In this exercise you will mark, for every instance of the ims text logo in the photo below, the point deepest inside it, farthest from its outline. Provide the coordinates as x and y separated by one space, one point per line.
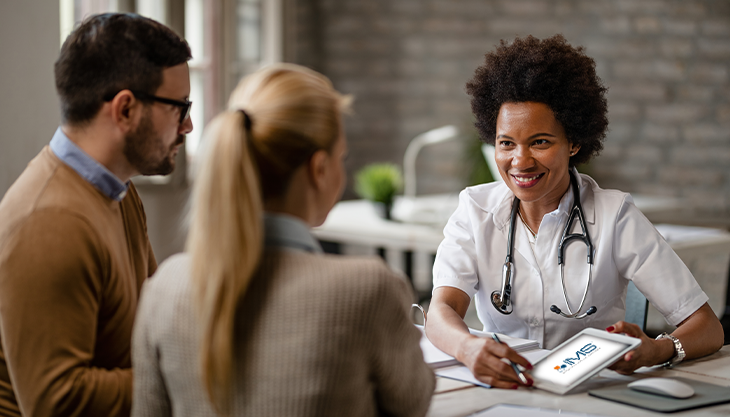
580 354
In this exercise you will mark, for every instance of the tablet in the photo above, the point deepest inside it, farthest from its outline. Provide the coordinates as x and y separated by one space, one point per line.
579 358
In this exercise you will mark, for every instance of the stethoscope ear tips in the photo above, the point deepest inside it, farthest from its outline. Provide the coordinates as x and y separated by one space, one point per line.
588 312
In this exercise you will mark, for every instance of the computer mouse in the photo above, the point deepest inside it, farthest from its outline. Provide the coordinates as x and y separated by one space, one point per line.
663 386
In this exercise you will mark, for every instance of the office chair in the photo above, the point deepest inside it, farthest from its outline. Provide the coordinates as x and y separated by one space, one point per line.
637 306
725 320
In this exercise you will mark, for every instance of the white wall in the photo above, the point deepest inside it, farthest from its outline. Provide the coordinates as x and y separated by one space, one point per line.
29 110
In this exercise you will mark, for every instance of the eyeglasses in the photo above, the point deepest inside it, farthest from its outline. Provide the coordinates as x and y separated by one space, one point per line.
184 105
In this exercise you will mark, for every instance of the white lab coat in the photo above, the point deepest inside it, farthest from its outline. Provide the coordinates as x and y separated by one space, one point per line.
626 247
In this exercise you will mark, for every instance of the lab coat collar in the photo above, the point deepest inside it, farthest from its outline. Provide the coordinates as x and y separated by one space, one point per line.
501 211
587 199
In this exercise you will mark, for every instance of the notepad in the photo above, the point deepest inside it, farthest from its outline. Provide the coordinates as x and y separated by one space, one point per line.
436 358
462 373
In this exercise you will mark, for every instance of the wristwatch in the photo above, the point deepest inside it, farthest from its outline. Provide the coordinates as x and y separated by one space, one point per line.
679 352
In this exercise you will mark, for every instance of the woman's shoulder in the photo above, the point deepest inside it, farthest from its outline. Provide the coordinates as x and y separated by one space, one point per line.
165 299
606 197
172 276
609 206
488 196
336 273
285 256
488 189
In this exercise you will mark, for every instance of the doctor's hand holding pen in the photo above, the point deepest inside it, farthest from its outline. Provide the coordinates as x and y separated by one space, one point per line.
484 358
489 360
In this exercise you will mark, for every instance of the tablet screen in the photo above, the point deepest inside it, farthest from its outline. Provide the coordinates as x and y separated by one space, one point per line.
577 358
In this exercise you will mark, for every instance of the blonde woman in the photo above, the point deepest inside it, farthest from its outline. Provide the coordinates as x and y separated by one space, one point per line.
254 319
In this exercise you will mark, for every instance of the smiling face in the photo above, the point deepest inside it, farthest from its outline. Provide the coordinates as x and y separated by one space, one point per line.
532 153
151 148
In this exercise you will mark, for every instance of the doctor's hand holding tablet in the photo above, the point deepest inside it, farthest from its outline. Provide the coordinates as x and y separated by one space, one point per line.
547 253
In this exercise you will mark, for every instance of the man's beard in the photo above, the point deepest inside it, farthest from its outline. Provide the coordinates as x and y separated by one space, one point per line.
142 145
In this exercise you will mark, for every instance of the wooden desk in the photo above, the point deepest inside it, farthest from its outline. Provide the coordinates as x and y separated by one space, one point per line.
454 398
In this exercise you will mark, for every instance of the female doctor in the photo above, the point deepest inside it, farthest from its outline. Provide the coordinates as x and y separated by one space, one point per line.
543 107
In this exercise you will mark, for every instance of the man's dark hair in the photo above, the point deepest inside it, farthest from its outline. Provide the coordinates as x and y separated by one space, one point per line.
550 72
111 52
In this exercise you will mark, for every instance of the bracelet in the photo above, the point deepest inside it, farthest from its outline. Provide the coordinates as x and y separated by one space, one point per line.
679 352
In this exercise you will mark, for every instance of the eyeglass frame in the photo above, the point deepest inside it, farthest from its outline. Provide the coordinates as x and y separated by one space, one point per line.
184 105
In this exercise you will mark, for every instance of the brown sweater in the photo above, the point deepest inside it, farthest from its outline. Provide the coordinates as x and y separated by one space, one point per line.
72 262
317 335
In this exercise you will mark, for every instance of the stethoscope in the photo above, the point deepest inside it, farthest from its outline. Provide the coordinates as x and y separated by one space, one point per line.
502 300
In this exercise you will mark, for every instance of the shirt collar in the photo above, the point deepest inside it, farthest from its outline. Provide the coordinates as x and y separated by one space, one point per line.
281 230
89 169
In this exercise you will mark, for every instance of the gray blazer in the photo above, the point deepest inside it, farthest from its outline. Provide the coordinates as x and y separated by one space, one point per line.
317 335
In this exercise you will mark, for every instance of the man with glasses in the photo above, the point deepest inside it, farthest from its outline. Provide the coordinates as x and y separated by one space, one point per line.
74 250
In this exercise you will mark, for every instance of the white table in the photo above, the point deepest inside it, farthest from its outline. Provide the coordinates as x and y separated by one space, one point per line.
357 228
454 398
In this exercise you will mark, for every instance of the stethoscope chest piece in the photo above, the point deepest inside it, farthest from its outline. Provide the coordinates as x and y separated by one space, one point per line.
504 307
502 299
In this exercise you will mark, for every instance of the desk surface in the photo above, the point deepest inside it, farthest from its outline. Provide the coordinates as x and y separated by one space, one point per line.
454 398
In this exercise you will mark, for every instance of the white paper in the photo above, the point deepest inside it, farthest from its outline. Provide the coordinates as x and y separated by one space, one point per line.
462 373
504 410
437 358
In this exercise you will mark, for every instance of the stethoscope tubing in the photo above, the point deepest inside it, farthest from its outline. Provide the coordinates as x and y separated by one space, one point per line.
502 300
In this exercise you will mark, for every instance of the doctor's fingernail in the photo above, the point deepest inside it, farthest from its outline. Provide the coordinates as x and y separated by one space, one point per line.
515 386
610 328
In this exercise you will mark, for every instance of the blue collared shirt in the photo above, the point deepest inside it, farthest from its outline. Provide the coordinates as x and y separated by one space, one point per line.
89 169
281 230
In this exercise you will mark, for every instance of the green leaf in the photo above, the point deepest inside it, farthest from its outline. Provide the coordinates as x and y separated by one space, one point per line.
379 182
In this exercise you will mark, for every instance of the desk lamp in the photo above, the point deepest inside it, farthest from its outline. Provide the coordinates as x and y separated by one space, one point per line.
405 209
488 152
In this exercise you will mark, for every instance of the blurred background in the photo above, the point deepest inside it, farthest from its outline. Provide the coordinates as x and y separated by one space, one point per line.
665 62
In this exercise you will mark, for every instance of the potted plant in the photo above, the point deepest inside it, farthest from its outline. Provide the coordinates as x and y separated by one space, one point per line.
379 183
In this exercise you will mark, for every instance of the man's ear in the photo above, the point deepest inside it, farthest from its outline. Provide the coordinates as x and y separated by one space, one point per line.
318 169
125 110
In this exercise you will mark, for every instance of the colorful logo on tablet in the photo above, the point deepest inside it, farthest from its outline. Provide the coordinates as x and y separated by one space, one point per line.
580 355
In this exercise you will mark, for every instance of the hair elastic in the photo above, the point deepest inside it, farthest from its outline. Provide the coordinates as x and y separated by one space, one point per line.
246 120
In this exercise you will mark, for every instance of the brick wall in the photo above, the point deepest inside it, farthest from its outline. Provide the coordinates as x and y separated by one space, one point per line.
666 63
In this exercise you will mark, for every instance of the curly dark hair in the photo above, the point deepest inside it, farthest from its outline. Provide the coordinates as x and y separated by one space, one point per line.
551 72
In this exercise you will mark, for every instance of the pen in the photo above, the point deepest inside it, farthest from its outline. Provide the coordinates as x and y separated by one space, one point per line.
512 364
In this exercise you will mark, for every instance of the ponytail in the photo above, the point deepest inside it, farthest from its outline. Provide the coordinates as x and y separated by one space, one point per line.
296 111
225 244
